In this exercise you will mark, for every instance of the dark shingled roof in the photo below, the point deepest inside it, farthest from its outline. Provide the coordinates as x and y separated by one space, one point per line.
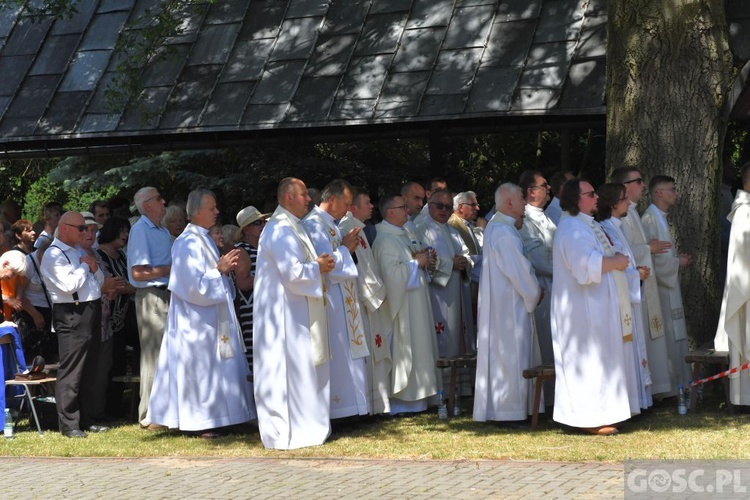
246 69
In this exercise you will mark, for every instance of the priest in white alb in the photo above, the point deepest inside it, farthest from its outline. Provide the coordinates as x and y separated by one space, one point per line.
667 267
733 332
346 331
290 336
375 315
538 232
643 250
612 208
414 349
509 292
454 330
201 377
589 312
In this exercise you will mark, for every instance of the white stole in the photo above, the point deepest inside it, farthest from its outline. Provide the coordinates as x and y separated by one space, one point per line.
678 313
224 322
316 307
621 284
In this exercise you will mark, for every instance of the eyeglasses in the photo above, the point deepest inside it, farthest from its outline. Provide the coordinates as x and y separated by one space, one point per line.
80 228
639 180
673 189
400 207
472 205
590 194
259 222
441 206
157 198
545 186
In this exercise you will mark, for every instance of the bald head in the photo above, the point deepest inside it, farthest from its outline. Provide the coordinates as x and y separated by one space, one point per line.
69 229
293 196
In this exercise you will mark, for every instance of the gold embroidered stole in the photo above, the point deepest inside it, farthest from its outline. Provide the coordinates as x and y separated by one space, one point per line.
621 284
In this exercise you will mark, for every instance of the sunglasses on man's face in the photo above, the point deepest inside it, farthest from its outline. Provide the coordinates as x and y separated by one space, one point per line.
80 228
441 206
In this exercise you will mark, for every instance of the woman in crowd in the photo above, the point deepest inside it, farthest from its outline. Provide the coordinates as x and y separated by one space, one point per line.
113 237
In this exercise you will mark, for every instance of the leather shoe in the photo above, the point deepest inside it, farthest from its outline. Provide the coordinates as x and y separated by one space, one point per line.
98 428
75 433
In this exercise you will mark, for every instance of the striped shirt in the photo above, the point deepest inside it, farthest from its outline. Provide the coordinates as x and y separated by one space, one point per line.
244 305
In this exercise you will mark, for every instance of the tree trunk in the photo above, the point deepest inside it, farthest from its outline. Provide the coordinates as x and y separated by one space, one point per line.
669 70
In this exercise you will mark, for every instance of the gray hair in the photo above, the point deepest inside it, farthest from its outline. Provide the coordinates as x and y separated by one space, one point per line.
16 261
172 210
463 197
141 196
503 192
195 200
336 187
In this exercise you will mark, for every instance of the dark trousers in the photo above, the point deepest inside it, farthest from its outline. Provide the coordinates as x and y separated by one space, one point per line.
79 334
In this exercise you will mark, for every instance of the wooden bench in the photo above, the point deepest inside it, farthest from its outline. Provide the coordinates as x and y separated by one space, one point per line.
454 363
709 357
541 373
134 381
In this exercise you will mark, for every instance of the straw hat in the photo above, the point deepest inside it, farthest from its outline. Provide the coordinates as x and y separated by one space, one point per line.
248 215
89 219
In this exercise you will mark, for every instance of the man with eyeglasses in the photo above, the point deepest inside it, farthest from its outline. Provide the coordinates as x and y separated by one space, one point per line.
404 269
538 232
455 333
435 184
463 220
74 284
644 250
590 321
667 267
149 264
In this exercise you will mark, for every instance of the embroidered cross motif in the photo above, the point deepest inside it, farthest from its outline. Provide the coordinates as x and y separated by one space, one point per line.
224 339
362 242
336 399
656 324
439 327
332 232
627 319
378 340
644 362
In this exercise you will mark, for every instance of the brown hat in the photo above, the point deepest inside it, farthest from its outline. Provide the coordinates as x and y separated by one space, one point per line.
248 215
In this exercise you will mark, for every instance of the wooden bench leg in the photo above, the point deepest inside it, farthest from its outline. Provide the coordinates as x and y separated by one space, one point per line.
452 392
694 390
539 382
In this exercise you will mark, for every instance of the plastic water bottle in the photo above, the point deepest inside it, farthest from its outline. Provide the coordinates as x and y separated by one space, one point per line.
681 405
8 428
457 404
442 407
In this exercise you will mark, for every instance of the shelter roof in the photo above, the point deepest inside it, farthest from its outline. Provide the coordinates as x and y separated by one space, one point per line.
258 69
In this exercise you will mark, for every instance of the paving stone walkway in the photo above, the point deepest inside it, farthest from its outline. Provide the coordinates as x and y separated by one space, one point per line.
92 478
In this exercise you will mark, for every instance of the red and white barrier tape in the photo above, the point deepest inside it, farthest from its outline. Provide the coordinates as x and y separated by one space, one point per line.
723 374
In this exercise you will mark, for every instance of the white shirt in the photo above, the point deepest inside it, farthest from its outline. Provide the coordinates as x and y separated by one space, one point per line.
65 274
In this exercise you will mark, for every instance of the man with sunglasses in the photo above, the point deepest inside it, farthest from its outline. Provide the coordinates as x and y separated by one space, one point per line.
590 324
74 283
644 250
537 233
454 332
149 265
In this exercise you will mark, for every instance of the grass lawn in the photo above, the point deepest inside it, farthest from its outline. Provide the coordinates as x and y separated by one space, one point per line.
710 433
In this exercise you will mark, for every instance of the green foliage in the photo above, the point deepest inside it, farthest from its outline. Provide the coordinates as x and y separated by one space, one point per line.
40 192
144 43
40 11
